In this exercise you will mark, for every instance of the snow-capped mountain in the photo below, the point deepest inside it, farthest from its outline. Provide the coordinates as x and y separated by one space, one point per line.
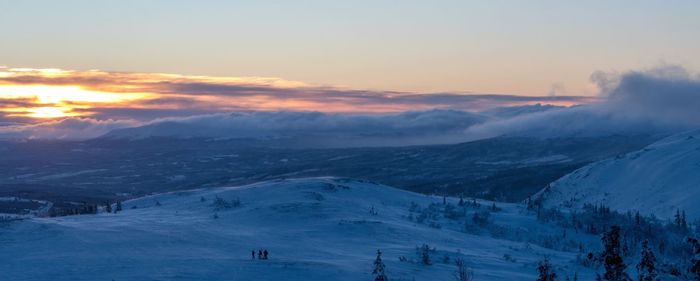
314 229
660 179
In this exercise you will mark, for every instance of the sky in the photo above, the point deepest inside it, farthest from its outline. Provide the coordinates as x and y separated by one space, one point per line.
503 47
133 61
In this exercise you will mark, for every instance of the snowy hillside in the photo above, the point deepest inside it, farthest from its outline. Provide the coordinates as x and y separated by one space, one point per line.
659 180
314 229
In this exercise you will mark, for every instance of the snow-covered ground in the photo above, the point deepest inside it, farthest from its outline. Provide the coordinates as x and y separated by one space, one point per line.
658 180
314 229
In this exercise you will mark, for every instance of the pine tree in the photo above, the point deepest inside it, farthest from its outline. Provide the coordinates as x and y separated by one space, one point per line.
379 268
528 203
545 271
425 255
119 207
108 208
463 273
446 259
695 260
611 256
646 269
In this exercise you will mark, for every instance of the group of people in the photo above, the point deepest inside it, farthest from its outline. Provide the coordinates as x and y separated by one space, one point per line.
262 254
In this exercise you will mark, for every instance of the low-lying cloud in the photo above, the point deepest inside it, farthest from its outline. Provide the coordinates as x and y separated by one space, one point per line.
329 129
66 129
657 101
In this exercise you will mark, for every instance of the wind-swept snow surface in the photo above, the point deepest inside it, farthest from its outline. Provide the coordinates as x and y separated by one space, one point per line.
659 179
314 229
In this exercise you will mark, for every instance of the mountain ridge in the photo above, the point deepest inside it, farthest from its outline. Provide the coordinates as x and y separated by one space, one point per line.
659 179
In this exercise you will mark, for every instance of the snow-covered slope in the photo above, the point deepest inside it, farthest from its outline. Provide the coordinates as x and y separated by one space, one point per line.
658 179
314 229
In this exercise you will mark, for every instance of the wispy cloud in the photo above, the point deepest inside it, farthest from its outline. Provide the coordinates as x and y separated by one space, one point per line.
86 104
67 129
149 95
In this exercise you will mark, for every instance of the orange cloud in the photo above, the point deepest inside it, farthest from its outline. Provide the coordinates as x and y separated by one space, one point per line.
56 93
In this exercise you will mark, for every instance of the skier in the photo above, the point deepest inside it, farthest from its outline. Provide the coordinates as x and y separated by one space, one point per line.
265 254
252 253
260 254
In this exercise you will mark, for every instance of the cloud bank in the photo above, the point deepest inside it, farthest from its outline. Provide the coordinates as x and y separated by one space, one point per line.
145 96
316 128
66 129
657 101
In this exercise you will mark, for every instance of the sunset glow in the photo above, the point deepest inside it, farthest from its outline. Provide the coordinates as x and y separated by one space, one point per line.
49 112
56 101
55 93
62 94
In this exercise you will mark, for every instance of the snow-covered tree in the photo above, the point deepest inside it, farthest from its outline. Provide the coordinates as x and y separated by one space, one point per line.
646 269
446 259
462 273
372 211
679 219
379 268
611 256
545 272
481 218
424 253
695 260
